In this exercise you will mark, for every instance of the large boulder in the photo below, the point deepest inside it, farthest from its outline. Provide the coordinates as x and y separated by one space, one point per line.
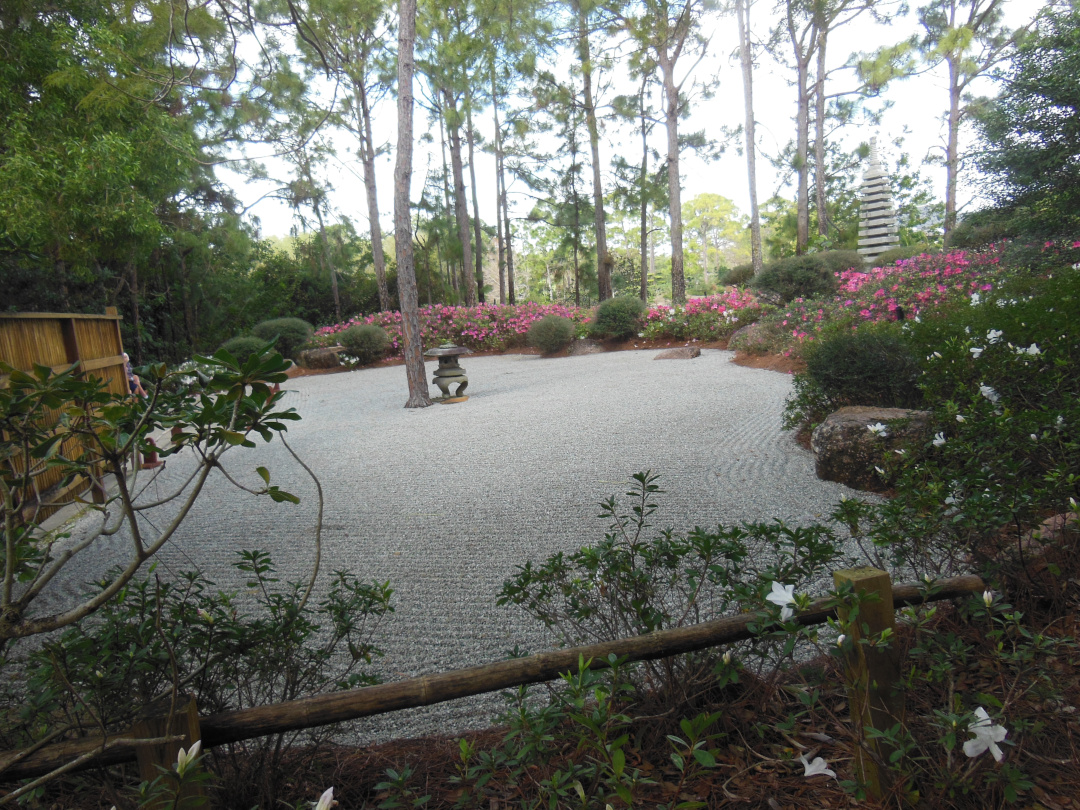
320 358
847 451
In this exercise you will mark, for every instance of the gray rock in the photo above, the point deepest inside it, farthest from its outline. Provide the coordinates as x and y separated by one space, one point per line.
320 358
848 452
585 346
681 353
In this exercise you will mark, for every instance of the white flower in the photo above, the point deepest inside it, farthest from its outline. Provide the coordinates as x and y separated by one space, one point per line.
878 429
989 393
727 658
784 596
975 299
840 639
881 472
937 355
987 736
1033 349
975 351
1059 422
185 758
326 801
817 767
993 336
899 452
959 418
1034 438
641 334
939 439
988 597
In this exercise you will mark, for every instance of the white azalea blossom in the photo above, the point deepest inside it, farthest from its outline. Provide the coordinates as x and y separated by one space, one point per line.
1033 349
185 758
840 639
987 736
817 767
939 439
975 351
988 597
959 417
784 596
975 299
989 393
326 801
878 429
993 336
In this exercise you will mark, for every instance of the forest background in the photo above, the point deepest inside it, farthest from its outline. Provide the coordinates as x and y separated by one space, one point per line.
140 137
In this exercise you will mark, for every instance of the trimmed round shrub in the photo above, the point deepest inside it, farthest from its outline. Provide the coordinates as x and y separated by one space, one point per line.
807 276
365 341
893 255
291 333
551 334
243 347
619 318
739 274
871 366
837 261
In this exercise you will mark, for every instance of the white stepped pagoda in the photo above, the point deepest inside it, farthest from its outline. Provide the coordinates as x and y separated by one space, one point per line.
877 218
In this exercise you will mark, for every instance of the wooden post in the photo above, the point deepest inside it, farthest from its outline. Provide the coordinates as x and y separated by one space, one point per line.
152 758
873 672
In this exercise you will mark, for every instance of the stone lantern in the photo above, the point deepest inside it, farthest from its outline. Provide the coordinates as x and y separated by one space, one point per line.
449 372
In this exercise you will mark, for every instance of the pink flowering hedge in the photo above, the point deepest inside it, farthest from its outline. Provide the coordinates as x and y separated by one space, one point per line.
919 285
711 318
484 327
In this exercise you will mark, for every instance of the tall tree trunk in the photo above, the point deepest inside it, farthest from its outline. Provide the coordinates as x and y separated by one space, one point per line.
461 208
742 11
367 153
603 261
802 164
671 115
643 184
410 320
453 275
820 170
952 153
329 262
704 255
498 187
475 205
511 296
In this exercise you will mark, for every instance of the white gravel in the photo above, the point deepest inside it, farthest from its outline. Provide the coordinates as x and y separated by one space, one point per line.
445 501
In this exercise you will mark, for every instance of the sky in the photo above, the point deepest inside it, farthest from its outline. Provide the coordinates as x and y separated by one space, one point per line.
917 112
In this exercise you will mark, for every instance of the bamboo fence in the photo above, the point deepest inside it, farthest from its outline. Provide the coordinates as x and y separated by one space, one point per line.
57 341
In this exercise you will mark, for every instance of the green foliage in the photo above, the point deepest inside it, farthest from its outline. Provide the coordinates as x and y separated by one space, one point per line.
807 276
893 255
551 334
1030 142
619 318
291 334
871 366
244 346
738 275
365 341
837 261
227 653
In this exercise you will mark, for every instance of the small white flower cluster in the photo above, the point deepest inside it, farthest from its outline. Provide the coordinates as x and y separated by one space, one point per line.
1031 350
989 393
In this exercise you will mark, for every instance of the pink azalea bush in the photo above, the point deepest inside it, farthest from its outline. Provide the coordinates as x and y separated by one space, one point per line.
711 318
484 327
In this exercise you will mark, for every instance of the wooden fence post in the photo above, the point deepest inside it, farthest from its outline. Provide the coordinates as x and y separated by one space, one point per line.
874 693
152 758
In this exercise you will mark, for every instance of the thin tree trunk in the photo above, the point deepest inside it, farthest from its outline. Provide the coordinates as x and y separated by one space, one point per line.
603 261
643 182
802 165
952 155
410 320
133 288
329 262
671 114
510 294
476 205
742 11
820 172
498 188
461 208
446 203
367 152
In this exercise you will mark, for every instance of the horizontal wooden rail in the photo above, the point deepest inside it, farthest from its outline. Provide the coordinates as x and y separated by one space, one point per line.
336 707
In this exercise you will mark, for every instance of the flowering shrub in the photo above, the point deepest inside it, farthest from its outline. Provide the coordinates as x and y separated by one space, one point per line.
711 318
485 327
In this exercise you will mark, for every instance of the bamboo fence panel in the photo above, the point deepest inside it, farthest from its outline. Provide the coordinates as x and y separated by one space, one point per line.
57 340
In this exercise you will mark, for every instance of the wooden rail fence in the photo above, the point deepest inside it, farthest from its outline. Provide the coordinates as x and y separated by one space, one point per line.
320 710
58 340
